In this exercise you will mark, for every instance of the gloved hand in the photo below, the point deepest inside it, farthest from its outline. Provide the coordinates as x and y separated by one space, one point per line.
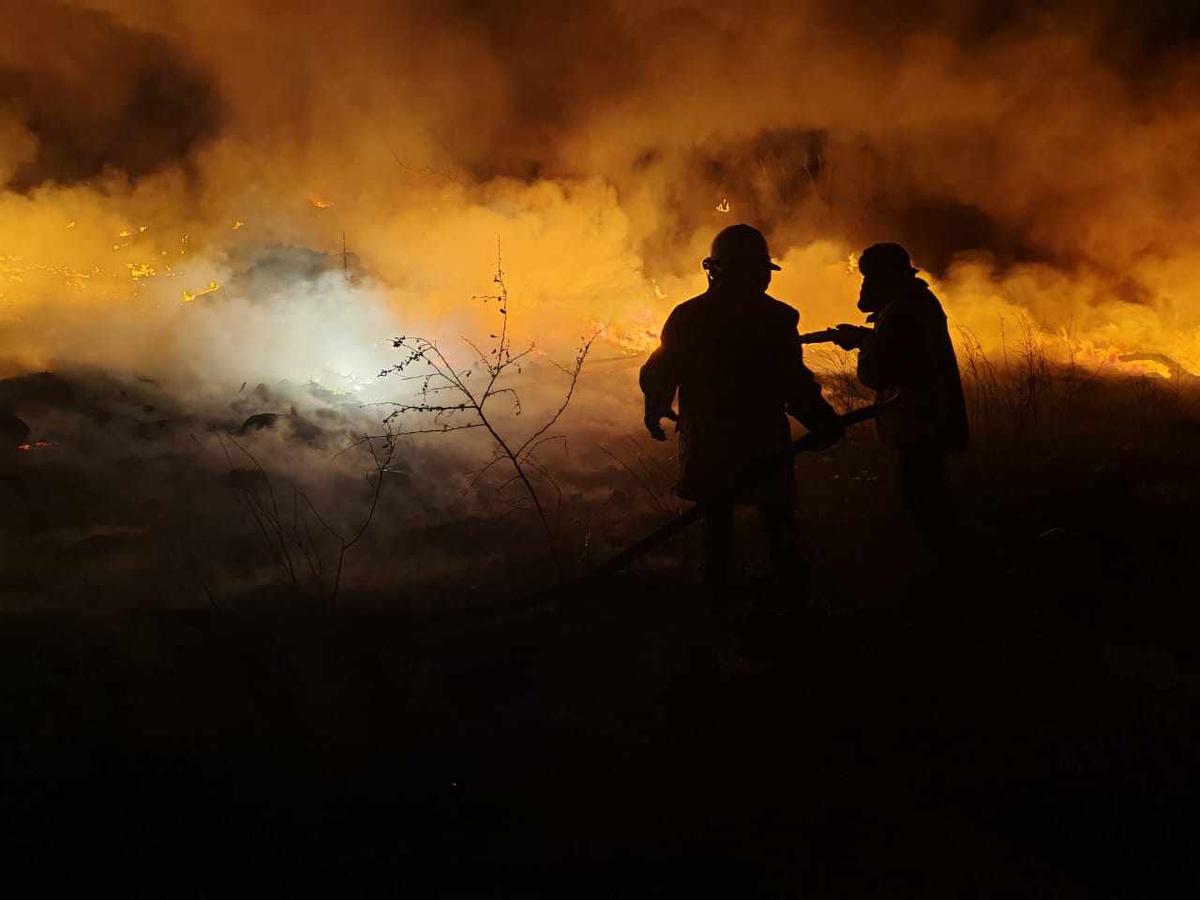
654 424
850 337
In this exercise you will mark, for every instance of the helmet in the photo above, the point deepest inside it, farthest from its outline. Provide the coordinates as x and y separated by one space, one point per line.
880 258
739 245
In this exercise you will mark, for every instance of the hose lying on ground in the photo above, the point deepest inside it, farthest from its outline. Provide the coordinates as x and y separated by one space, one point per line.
747 478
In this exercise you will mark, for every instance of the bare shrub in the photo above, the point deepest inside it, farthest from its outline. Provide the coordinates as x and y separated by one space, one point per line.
460 398
309 550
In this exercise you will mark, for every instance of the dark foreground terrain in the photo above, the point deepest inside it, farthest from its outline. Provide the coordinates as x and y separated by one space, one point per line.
1023 723
619 745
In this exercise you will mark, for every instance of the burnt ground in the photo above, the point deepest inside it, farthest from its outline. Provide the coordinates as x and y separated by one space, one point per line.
605 748
1023 724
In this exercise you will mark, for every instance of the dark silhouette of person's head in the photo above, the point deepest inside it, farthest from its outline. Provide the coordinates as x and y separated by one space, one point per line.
887 272
739 259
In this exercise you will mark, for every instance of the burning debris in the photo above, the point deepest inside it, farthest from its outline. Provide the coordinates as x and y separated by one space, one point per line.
1170 368
189 296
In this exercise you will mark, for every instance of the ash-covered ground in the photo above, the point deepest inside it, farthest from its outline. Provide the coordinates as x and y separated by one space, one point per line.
468 716
129 493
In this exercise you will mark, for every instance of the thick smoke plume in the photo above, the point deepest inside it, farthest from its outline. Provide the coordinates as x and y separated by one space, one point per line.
1037 161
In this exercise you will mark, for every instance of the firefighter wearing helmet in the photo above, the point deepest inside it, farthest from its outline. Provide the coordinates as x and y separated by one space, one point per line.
733 357
907 357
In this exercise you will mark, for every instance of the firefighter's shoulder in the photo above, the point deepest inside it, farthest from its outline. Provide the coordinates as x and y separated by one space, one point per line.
687 309
787 315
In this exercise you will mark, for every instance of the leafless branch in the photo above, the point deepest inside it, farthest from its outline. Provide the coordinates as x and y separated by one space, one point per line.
497 360
291 539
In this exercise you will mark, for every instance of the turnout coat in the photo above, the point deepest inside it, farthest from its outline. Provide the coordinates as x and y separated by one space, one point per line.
735 359
909 355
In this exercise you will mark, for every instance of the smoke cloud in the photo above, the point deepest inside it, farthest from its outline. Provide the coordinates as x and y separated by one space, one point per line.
1038 160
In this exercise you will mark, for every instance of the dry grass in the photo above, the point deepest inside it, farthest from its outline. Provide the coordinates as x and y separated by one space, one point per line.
1097 459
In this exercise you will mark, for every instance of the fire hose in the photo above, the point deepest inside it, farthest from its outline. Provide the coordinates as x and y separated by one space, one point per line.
824 336
745 479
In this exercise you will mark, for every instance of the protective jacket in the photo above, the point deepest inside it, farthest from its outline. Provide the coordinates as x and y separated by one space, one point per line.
909 354
736 361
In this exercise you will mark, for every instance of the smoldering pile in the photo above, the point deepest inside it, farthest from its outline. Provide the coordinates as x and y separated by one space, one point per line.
119 492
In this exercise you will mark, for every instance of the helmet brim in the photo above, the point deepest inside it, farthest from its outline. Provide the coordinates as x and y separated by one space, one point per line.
712 261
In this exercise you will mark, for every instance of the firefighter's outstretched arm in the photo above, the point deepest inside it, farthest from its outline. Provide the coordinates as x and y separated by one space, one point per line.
659 380
849 337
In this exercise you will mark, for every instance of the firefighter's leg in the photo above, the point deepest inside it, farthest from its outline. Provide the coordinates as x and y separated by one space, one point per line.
788 565
779 523
718 544
926 495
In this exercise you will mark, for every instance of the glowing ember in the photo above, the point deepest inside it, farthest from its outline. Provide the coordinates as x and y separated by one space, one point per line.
189 296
